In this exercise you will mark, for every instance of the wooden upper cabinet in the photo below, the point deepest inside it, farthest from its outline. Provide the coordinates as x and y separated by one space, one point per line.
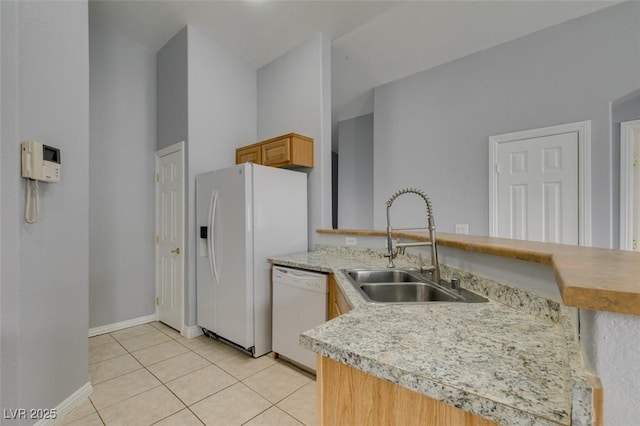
277 152
250 154
290 150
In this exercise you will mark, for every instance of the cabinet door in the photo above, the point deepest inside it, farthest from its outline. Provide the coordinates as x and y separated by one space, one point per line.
348 396
276 153
251 154
338 304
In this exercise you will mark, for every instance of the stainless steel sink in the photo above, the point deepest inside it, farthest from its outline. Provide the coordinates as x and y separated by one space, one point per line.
406 293
405 286
382 275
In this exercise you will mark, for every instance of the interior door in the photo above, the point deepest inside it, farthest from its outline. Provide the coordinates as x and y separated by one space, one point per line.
538 189
629 185
636 170
170 237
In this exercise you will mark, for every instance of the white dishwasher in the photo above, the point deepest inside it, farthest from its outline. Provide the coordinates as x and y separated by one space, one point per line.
299 303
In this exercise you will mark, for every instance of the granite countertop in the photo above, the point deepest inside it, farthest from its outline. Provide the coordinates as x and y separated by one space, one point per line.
513 360
587 277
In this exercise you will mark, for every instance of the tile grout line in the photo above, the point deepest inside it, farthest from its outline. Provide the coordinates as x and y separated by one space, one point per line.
214 363
259 414
145 368
119 375
107 359
188 407
97 412
138 361
131 396
196 416
281 399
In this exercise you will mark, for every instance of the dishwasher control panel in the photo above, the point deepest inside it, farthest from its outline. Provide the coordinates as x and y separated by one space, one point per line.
301 279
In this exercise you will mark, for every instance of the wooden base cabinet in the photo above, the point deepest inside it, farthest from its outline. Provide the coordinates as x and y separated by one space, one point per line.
347 396
338 304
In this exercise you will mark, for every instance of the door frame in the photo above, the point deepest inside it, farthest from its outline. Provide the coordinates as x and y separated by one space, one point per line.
628 188
583 128
177 147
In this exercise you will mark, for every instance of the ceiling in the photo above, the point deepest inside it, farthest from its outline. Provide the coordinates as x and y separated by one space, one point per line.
373 42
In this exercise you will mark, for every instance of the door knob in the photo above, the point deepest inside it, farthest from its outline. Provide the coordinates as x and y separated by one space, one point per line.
176 251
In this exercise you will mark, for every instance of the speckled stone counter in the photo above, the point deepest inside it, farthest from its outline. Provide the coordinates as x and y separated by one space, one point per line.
513 360
587 277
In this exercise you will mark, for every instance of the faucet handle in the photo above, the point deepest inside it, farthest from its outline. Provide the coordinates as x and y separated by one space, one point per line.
392 254
400 250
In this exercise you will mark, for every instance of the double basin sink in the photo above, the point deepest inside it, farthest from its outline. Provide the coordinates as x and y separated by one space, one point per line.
405 286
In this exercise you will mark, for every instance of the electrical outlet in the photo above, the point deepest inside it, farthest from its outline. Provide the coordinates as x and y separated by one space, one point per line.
462 228
393 243
351 241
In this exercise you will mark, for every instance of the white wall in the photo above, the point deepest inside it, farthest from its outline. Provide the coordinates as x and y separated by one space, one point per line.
44 267
121 200
431 129
294 95
355 173
611 344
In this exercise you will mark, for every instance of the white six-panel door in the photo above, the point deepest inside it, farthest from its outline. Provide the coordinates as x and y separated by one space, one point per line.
540 184
636 170
170 236
538 189
629 185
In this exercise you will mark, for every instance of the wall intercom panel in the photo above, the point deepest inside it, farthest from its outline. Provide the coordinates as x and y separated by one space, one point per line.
40 162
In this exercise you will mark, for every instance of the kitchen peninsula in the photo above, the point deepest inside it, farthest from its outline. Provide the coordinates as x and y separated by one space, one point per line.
515 360
588 277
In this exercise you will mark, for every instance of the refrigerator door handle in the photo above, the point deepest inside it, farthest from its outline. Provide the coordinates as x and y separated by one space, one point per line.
210 241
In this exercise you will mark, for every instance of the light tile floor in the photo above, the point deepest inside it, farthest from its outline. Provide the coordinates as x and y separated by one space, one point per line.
149 374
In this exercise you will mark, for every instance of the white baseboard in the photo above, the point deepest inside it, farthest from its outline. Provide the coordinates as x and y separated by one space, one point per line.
109 328
68 405
191 332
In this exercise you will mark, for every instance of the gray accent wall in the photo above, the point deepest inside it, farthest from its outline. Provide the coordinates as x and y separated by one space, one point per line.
206 97
431 129
294 95
171 91
44 272
222 117
355 173
121 196
172 119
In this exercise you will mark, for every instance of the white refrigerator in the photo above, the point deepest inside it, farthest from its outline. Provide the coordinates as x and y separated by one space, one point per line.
244 215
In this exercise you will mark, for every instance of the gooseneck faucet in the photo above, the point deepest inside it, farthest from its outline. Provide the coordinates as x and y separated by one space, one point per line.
435 266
